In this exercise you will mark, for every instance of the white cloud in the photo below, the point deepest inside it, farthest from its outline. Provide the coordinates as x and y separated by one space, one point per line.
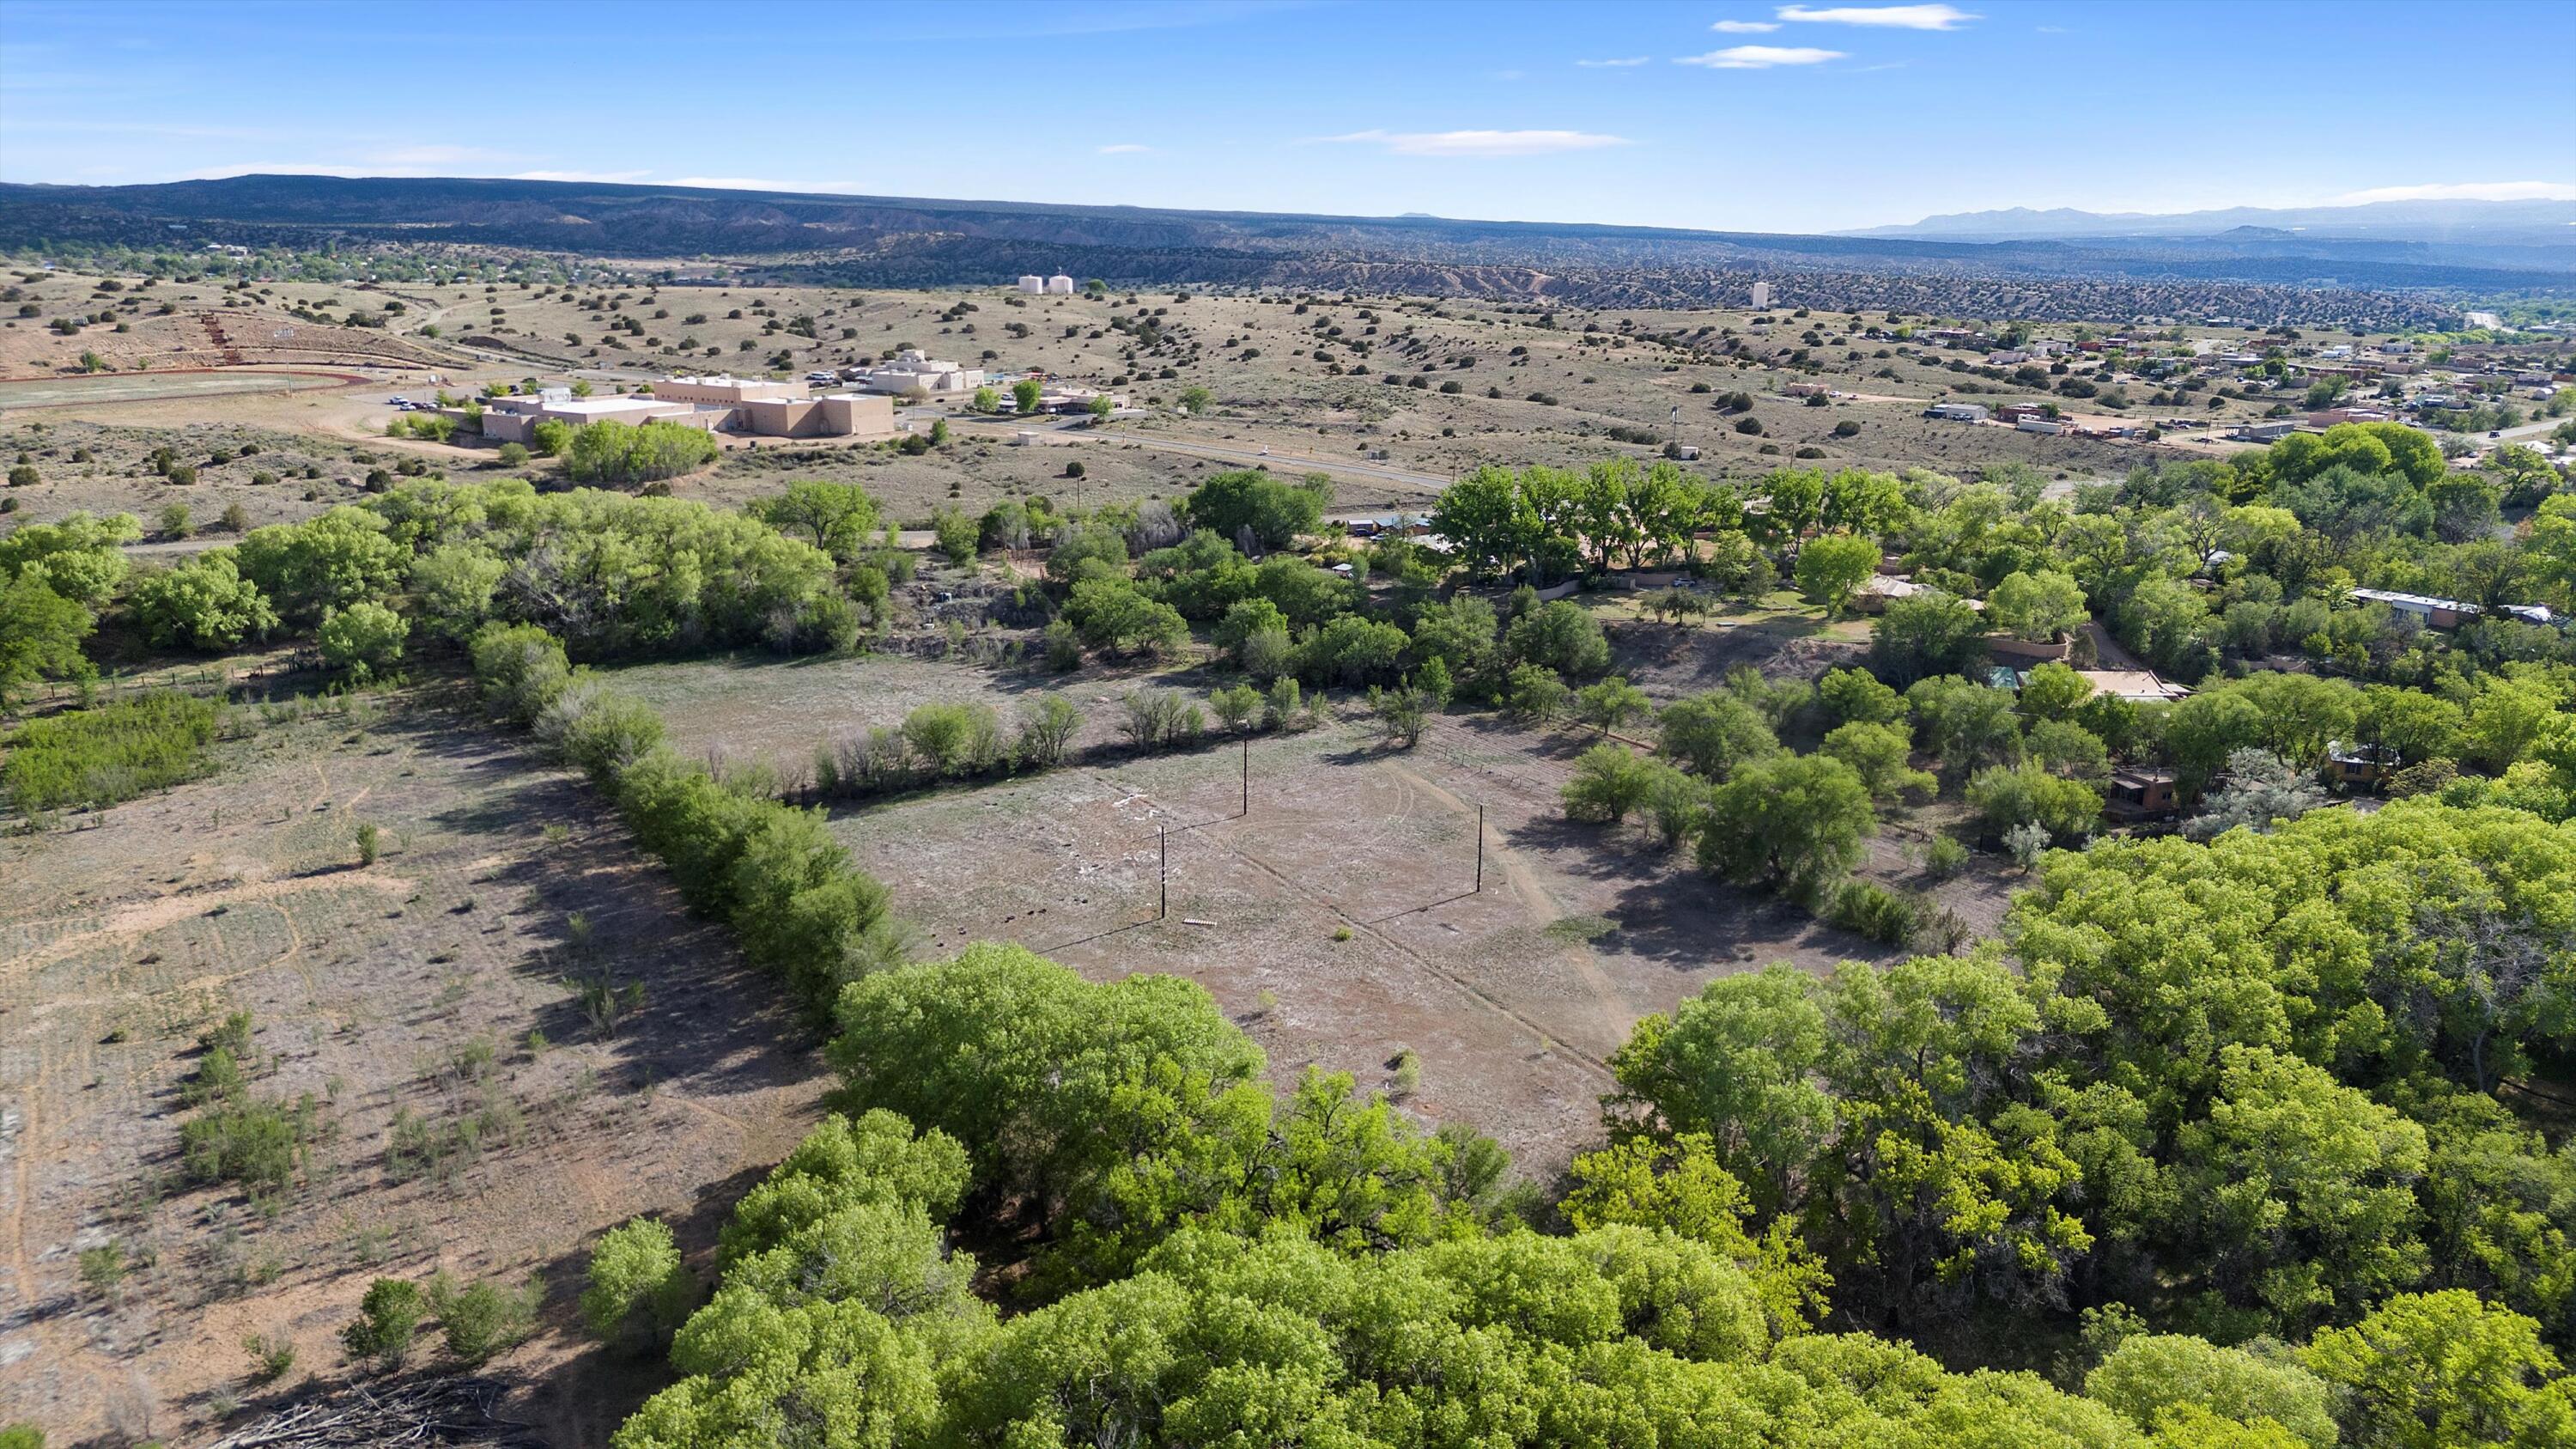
1481 143
1622 62
616 177
1745 27
1894 17
1759 57
2463 191
1125 148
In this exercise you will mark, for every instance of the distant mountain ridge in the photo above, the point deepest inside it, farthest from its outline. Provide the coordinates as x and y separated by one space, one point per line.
848 240
2539 223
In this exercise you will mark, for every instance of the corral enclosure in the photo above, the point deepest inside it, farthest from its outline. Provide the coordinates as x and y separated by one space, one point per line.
410 986
1512 996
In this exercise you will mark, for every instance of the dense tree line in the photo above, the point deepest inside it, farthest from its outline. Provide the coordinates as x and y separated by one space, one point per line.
1945 1148
54 580
799 909
1295 616
2251 1087
607 573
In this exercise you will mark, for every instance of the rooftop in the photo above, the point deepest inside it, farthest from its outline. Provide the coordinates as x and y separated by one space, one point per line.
2132 684
2420 601
605 404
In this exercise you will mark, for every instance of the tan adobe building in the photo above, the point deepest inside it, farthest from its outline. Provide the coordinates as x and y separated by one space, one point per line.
723 391
913 368
838 415
716 405
515 419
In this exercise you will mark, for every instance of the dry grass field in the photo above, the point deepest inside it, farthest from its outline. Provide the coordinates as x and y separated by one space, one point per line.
1513 997
1338 920
752 708
432 984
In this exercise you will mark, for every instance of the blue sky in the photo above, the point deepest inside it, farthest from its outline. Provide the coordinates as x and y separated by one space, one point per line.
1729 115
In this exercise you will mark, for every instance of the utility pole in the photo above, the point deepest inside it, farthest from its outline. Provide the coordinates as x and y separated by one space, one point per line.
1247 775
1163 907
1480 850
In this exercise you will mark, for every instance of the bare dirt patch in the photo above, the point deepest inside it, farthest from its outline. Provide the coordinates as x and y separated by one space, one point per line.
1513 996
124 935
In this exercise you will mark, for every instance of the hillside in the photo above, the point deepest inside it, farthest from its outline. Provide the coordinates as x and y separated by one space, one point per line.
889 241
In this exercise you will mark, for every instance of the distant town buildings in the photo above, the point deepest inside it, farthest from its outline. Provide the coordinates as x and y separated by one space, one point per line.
913 368
1957 412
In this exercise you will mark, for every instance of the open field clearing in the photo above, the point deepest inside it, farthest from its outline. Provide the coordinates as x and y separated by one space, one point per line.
757 708
142 386
247 449
1339 920
752 708
473 1114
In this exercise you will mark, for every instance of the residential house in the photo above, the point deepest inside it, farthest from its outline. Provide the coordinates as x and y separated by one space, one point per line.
2137 686
2140 793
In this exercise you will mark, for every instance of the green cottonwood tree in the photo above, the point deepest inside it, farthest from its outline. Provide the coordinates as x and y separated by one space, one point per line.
636 1282
1790 821
1832 569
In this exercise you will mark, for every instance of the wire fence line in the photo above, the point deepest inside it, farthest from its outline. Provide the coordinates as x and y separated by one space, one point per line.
1154 853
